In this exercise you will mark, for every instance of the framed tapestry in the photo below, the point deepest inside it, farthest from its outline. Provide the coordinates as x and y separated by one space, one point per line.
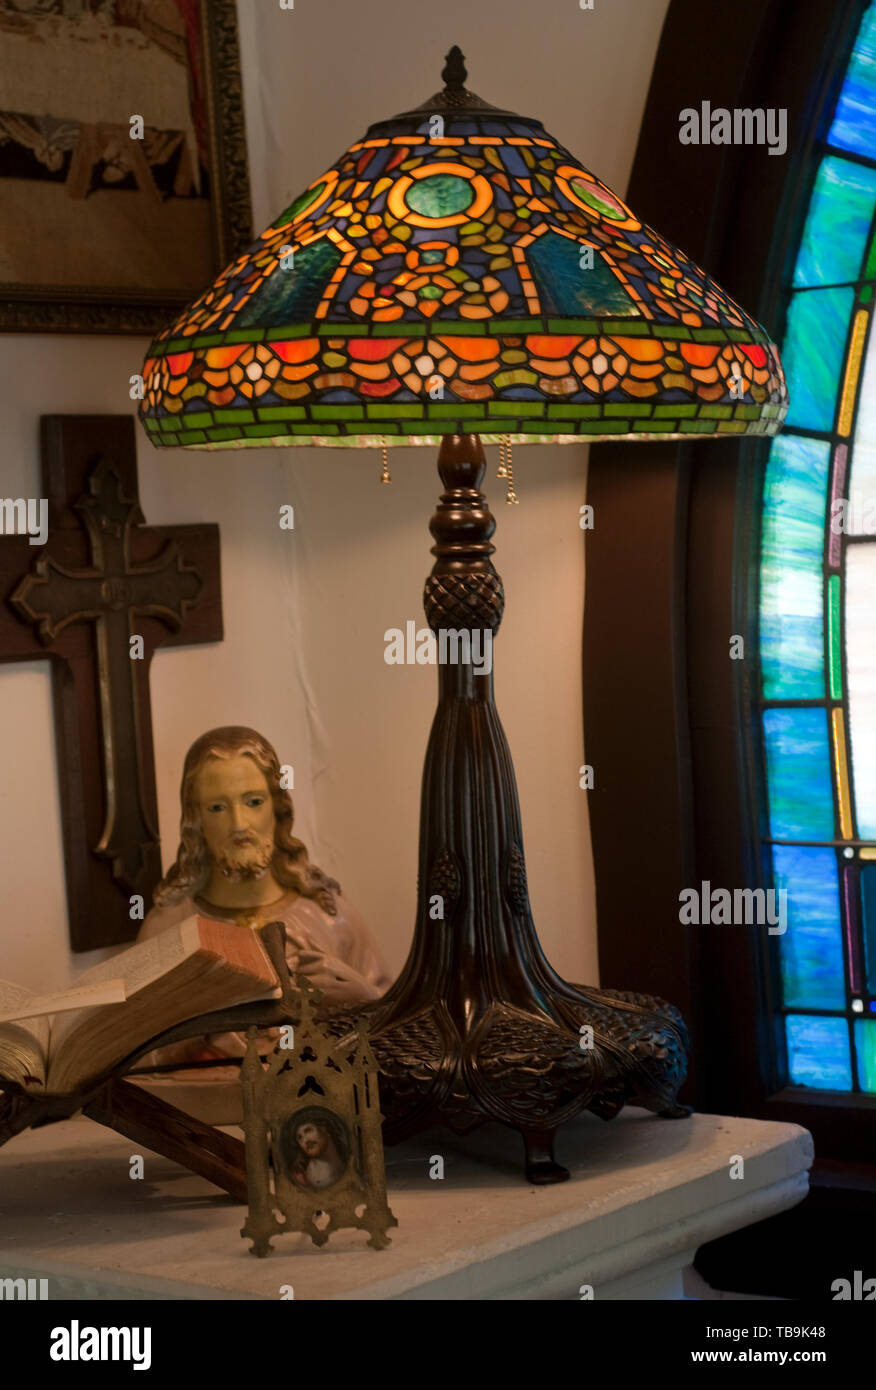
123 178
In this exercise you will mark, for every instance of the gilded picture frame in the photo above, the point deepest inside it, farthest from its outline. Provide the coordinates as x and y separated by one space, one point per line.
123 176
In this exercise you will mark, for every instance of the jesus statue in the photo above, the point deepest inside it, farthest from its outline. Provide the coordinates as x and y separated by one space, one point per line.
238 861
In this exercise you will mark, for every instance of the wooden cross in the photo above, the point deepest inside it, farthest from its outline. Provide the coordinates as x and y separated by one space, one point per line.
101 580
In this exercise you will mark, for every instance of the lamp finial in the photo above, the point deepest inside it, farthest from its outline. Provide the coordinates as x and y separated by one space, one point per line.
454 71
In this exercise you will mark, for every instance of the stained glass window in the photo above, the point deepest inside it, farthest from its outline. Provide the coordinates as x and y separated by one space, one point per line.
818 613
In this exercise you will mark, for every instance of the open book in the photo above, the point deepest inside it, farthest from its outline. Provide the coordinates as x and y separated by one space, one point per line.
190 969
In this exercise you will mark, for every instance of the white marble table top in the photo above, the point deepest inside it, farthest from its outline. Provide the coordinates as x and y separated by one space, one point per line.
643 1194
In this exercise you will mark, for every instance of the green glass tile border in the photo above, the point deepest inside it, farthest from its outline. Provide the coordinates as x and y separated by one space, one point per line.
604 427
234 417
351 422
282 412
834 637
290 330
260 432
434 427
521 409
337 412
225 432
245 335
626 328
500 326
395 412
490 328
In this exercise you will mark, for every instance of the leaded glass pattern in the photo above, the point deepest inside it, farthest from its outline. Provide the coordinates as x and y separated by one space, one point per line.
474 279
818 613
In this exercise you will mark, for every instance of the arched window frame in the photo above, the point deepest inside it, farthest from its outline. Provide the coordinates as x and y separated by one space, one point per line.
671 723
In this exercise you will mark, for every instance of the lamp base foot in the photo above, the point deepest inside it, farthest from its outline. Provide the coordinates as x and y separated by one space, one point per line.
540 1164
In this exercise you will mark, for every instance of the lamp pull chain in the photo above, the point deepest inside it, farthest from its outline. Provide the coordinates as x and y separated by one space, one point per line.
385 476
510 496
503 467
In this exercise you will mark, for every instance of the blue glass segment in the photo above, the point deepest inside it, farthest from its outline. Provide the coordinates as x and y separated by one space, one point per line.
837 224
813 352
792 580
818 1052
294 291
868 922
566 286
854 122
811 947
798 774
865 1048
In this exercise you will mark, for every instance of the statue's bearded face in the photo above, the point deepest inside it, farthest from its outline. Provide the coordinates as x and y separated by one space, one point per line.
237 816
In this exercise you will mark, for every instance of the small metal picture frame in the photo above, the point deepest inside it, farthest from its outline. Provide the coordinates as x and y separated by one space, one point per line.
314 1149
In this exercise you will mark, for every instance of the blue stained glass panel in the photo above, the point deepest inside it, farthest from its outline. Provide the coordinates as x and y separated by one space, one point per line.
868 915
818 323
792 580
854 123
838 224
811 948
566 287
293 292
865 1047
798 774
818 1052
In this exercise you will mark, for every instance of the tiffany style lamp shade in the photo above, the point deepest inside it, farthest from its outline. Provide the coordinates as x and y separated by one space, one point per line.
458 278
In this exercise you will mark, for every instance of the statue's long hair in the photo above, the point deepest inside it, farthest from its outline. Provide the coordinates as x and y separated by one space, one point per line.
289 865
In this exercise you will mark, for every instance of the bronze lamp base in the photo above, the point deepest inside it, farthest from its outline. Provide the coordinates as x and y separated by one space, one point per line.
478 1026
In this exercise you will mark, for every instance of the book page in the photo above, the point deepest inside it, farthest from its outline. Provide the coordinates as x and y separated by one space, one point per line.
23 1047
147 960
138 966
14 1001
77 997
22 1059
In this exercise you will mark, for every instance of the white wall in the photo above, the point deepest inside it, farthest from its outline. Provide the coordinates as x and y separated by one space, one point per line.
305 612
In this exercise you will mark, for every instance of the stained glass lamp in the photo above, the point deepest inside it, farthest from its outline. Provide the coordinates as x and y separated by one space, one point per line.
458 278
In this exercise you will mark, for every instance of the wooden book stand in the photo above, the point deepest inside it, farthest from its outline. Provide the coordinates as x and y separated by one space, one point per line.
153 1123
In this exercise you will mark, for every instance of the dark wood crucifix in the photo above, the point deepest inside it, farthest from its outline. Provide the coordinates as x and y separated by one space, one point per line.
101 581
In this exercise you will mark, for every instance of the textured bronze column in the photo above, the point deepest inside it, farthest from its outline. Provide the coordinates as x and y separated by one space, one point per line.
478 1026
